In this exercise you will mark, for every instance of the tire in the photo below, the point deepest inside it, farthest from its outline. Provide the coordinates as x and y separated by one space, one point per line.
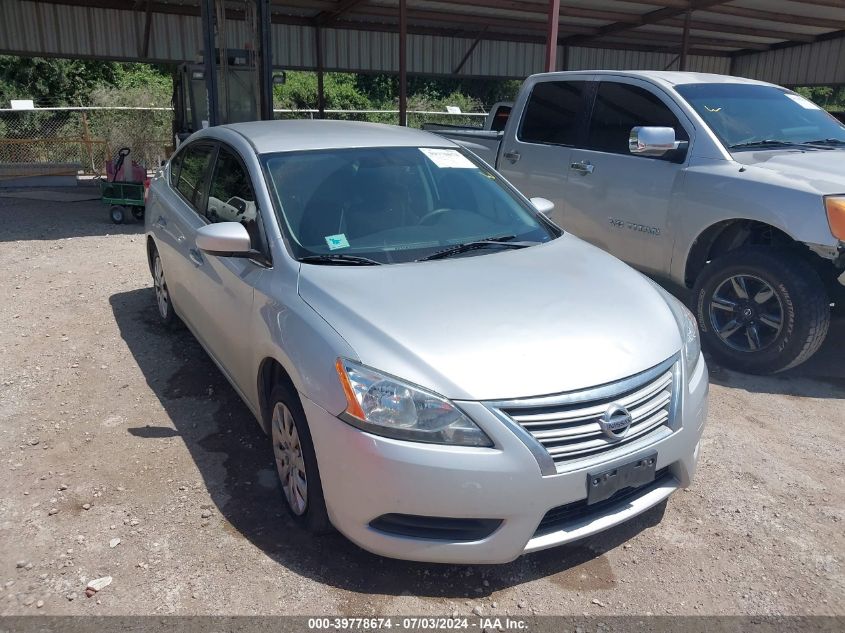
746 334
138 213
117 214
164 302
290 435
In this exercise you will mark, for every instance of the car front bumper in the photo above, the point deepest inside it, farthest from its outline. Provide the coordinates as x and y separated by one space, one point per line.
365 476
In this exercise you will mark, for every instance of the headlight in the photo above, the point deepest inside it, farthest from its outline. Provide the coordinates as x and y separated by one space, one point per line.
385 405
689 333
687 325
835 207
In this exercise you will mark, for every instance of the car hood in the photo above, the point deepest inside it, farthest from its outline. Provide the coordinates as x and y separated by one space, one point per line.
822 171
556 317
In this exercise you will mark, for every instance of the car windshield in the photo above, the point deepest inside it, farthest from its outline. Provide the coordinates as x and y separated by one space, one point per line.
748 116
395 204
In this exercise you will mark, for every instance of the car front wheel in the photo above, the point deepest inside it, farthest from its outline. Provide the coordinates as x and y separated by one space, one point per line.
162 293
761 310
296 462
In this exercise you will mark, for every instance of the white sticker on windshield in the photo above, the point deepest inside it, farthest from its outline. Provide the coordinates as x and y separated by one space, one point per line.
804 103
447 158
337 241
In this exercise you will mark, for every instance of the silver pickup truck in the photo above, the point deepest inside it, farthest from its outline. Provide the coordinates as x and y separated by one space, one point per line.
729 187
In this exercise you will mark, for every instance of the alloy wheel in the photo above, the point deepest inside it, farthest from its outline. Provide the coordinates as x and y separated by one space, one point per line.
746 313
290 461
162 295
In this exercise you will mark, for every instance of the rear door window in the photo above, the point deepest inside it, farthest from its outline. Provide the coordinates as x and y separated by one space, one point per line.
555 113
193 174
618 108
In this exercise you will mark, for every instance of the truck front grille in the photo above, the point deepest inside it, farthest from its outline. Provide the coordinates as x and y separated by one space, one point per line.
567 425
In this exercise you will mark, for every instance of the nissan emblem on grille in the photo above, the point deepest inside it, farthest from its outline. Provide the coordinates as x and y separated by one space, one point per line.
615 421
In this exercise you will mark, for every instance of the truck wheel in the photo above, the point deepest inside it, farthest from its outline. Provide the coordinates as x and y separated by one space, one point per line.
296 462
761 310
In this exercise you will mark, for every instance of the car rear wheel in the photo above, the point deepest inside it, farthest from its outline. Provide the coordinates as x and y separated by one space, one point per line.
761 310
296 462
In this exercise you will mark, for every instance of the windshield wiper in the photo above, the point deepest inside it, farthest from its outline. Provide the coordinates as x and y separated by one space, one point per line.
763 143
825 142
339 258
503 241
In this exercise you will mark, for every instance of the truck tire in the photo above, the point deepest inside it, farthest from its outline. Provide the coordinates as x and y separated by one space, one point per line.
761 310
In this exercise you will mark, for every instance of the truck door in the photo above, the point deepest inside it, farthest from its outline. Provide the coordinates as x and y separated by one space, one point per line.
617 200
536 147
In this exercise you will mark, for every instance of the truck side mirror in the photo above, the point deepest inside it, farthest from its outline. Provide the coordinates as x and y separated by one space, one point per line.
652 140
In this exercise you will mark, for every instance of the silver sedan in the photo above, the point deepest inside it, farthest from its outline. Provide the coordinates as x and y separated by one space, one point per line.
445 374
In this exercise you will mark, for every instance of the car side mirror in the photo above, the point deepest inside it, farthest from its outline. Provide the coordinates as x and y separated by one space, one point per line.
225 239
542 205
652 141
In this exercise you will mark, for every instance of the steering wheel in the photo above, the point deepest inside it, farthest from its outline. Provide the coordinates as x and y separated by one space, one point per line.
433 214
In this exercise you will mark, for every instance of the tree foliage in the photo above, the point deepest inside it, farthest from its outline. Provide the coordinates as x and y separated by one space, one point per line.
74 82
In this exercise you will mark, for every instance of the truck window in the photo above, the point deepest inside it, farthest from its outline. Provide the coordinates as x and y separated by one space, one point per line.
620 107
500 119
553 113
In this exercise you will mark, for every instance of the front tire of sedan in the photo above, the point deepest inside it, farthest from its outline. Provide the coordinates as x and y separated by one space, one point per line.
164 302
761 310
296 462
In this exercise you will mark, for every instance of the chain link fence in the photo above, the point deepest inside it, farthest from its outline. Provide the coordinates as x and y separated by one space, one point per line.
76 141
82 140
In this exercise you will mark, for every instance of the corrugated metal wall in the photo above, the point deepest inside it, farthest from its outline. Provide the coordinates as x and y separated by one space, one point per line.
817 63
77 31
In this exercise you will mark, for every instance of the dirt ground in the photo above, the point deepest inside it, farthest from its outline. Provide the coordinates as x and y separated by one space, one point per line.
111 428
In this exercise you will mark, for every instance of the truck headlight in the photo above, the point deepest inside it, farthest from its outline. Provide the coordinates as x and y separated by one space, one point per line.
835 207
384 405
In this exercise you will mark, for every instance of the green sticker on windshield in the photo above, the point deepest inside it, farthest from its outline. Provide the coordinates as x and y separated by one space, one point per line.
337 241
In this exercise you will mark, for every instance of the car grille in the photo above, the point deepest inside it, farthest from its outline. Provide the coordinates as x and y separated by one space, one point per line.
567 426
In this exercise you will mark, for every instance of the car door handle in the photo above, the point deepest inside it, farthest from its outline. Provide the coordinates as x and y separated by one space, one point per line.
583 167
195 256
512 156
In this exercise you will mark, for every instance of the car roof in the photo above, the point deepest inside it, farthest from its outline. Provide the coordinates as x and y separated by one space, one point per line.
668 77
307 134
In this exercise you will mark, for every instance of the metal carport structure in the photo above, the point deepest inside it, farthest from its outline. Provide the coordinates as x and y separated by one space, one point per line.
784 41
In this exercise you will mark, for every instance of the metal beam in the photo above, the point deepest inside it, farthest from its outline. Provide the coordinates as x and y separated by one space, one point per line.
148 19
403 63
321 93
265 60
716 27
344 6
651 17
673 41
539 8
773 47
682 58
473 20
782 18
209 56
469 52
551 35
